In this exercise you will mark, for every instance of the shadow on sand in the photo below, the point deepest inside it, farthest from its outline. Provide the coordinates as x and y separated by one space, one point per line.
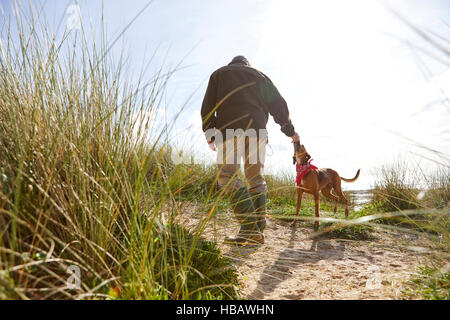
291 257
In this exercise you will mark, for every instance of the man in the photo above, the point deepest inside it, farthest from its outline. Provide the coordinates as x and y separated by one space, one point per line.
235 110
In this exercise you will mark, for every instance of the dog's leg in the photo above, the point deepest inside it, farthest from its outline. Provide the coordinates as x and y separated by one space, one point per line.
337 188
317 203
299 203
344 199
327 193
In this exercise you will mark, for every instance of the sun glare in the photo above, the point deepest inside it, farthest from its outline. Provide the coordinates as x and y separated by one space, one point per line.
347 80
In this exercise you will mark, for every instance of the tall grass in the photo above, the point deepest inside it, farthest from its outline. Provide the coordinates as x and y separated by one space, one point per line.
420 199
87 181
401 186
396 187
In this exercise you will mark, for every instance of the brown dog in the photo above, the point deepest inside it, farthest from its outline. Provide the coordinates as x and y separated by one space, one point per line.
317 180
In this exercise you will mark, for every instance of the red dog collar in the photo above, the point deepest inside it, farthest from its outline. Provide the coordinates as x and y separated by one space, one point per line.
303 169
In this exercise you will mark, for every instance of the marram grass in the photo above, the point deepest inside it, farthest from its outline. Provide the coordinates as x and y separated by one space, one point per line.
87 182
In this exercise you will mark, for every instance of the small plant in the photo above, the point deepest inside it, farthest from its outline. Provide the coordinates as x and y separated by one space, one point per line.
348 231
429 283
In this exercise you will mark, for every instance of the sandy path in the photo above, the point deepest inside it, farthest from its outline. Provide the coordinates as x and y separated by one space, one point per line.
290 265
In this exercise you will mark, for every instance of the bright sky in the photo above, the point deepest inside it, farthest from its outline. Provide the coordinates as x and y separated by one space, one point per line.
349 70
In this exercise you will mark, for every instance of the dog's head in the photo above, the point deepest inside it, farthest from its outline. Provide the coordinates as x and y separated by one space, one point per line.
300 154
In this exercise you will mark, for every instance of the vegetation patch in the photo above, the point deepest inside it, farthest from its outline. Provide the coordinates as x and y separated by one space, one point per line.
88 183
430 283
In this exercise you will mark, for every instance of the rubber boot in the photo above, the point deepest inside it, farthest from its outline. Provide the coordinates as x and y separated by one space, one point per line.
244 211
259 202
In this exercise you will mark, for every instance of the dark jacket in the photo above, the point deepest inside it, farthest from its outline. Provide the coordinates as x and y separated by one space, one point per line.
241 97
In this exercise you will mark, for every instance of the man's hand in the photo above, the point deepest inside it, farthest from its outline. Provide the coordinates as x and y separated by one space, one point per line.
212 145
295 138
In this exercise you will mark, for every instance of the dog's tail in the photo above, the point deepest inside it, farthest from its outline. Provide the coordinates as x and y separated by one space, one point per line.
354 179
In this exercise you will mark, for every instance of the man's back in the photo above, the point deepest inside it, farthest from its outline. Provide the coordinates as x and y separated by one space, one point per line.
241 97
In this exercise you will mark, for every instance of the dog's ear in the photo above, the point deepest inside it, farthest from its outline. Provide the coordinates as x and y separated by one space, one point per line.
294 161
308 156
